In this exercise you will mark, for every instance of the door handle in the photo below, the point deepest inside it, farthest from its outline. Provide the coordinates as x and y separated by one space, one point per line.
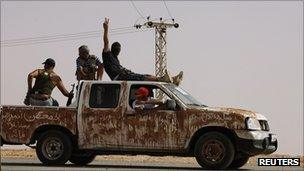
130 114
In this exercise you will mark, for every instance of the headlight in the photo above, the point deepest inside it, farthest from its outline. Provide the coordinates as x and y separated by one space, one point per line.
253 124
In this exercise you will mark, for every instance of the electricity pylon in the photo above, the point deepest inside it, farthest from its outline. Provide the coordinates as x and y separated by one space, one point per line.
160 45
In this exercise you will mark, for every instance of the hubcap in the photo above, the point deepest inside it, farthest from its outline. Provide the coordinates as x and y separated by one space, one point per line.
213 151
52 148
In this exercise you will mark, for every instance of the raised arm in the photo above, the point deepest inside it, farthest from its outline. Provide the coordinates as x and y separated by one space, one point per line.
33 74
105 35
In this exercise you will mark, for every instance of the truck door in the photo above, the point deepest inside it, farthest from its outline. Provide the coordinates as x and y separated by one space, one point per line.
100 113
153 128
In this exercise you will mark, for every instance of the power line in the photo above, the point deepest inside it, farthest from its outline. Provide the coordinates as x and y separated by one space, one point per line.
167 9
50 38
137 10
63 35
59 37
68 39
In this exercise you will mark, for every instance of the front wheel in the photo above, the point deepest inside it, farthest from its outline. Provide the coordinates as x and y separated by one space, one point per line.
54 148
214 150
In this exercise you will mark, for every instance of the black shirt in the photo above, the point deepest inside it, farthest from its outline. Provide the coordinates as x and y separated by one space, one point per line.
112 65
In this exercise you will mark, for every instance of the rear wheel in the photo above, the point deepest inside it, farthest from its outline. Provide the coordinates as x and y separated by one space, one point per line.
214 150
54 148
82 159
239 161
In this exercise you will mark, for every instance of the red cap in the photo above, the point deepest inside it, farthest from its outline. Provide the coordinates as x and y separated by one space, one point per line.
142 91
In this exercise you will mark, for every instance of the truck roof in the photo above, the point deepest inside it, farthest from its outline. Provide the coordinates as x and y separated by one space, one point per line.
119 82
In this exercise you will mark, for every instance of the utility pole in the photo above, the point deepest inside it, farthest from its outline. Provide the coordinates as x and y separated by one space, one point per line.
160 44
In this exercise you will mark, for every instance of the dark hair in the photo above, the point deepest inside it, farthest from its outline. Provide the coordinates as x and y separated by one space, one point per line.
83 47
49 62
115 45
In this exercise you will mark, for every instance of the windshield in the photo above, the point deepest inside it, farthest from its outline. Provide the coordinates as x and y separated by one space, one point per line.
183 95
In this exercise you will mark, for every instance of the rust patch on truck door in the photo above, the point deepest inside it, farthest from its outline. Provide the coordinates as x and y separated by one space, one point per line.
154 129
101 128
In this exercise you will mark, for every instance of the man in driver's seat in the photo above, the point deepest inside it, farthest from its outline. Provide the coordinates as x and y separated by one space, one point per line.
143 101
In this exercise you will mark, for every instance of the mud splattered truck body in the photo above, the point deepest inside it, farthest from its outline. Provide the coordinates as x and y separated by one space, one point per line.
102 121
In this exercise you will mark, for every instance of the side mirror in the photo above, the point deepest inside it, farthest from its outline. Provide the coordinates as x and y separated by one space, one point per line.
170 104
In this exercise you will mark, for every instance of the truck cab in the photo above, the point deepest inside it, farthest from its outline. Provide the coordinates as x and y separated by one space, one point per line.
102 121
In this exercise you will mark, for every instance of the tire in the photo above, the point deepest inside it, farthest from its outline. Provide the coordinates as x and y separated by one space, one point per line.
82 159
239 162
54 148
214 150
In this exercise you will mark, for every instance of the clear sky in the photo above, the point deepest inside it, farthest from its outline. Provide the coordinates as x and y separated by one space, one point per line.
235 54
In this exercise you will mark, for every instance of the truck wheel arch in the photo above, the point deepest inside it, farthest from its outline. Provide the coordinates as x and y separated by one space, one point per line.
194 138
43 128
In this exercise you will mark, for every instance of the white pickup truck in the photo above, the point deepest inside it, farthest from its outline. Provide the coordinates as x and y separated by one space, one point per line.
103 122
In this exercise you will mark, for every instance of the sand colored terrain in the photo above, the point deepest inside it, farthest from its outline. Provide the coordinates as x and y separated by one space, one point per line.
30 153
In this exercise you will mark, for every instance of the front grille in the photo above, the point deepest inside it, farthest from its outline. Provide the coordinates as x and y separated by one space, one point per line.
264 125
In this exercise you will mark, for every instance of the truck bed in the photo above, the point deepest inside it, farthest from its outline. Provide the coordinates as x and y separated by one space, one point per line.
18 123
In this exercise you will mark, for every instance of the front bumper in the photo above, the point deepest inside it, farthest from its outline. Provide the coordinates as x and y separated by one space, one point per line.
256 142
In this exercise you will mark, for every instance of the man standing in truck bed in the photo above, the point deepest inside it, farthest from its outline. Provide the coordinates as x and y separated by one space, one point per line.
89 66
117 72
46 81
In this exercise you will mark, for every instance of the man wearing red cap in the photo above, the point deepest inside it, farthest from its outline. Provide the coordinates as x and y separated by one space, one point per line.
143 101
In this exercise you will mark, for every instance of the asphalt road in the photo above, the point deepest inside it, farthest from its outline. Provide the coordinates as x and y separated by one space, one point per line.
34 164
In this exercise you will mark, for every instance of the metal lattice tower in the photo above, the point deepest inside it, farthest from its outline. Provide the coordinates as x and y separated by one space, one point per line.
160 45
160 51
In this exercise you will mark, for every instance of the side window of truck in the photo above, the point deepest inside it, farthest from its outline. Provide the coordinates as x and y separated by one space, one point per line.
104 95
153 91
